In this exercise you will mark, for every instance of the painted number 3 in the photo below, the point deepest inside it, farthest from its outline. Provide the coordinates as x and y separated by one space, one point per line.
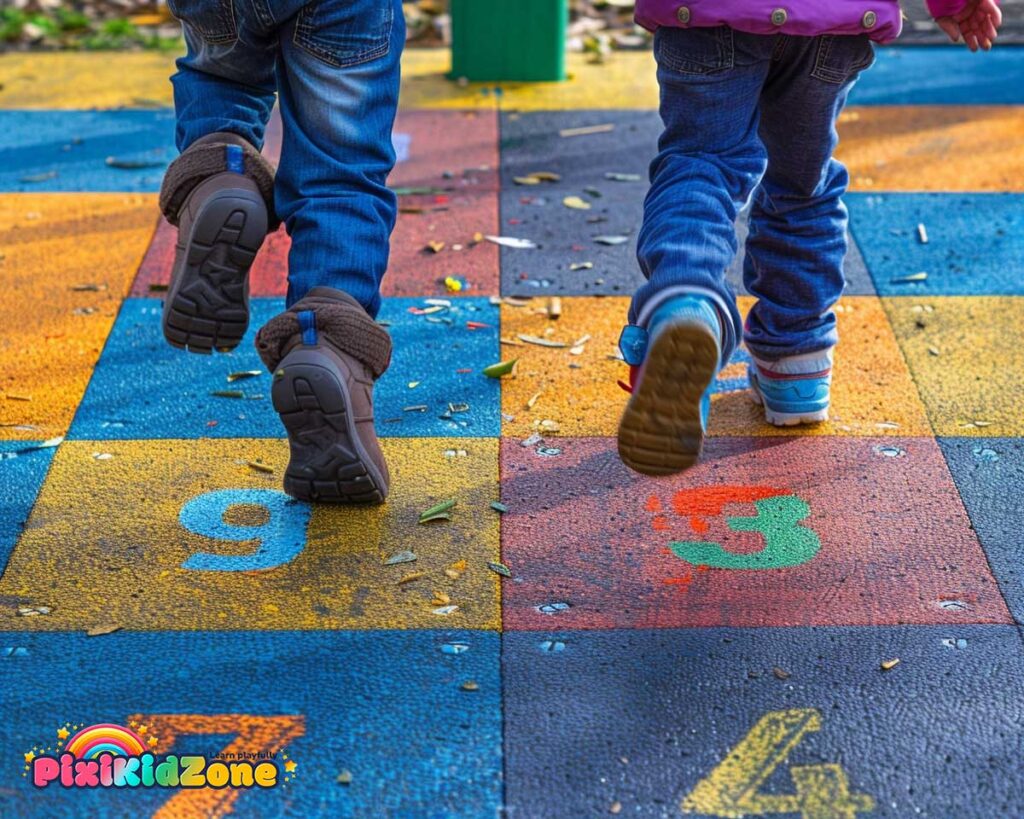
778 520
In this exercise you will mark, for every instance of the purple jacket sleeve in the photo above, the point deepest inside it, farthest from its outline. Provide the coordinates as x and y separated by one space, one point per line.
945 8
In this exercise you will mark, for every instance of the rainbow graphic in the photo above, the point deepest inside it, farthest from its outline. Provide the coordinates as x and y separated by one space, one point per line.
105 737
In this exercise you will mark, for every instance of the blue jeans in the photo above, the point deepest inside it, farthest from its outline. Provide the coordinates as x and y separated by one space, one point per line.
751 115
334 65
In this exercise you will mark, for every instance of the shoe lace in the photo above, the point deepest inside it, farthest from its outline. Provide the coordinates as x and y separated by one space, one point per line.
634 377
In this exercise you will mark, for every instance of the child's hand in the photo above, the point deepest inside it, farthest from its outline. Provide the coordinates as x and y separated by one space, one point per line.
977 24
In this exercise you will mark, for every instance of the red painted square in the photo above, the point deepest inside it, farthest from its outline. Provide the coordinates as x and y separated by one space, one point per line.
893 542
461 143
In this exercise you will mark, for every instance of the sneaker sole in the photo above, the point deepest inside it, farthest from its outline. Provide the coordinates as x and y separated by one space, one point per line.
661 432
207 307
785 419
328 463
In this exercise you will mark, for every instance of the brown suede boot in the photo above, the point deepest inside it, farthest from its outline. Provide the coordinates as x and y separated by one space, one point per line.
325 353
219 193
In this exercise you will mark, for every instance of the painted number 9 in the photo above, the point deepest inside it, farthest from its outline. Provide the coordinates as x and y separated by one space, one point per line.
276 541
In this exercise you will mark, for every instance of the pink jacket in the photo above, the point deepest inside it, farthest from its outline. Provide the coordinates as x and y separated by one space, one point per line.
880 19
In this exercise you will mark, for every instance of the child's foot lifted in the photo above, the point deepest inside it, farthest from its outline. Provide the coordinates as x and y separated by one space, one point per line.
325 353
673 364
217 193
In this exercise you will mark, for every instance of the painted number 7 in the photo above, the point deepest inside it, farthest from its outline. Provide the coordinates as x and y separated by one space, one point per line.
276 541
731 789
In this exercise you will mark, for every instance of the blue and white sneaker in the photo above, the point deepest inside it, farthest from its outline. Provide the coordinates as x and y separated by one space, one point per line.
673 364
793 390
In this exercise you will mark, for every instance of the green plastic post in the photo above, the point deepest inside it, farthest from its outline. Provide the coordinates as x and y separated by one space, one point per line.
509 40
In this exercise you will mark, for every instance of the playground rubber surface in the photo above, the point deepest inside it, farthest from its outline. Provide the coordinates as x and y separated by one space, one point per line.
822 622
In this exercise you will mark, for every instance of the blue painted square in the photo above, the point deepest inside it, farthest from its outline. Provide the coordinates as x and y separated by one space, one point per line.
22 472
641 717
143 388
975 242
386 706
989 472
945 75
42 151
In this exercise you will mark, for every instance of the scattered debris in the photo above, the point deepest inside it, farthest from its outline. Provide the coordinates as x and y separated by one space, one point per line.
444 611
888 665
405 556
470 685
553 608
439 512
455 571
586 130
533 440
913 277
243 374
554 307
581 266
511 241
228 394
99 631
434 246
500 369
781 673
500 568
259 466
88 288
576 203
33 611
922 234
541 342
411 577
623 177
344 778
611 240
499 507
39 177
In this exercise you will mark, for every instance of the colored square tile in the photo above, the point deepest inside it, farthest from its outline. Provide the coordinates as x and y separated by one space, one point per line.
872 392
68 150
955 226
386 706
989 472
949 75
805 531
142 388
56 249
967 359
454 155
181 535
531 143
649 719
22 470
933 148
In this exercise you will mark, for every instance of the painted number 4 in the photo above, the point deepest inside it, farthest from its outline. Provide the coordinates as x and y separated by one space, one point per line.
732 789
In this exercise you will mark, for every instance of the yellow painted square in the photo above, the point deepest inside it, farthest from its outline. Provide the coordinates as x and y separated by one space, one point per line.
68 261
105 545
872 393
967 358
946 148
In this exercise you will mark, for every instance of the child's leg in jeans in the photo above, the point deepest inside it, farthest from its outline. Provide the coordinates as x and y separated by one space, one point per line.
219 191
338 80
685 321
797 241
338 83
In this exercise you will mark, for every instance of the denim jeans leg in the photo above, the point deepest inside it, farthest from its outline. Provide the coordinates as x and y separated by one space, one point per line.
798 223
710 158
338 83
225 82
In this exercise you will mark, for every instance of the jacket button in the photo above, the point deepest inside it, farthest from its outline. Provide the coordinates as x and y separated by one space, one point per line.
869 20
683 15
779 17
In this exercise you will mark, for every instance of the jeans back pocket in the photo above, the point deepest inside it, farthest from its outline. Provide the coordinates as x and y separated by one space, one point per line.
842 57
213 20
694 50
345 32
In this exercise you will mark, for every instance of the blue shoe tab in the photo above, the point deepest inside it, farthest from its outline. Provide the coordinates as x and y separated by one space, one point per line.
307 323
633 344
233 156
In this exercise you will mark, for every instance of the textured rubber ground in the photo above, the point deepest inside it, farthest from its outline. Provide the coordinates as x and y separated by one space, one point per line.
661 432
784 419
328 463
207 307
